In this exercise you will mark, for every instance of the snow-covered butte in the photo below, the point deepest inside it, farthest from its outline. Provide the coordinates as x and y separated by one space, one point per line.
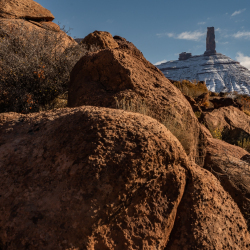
219 72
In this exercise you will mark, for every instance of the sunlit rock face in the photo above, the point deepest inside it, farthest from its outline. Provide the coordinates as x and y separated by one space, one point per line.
221 73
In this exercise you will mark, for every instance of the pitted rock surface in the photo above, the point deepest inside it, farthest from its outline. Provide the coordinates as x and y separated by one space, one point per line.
102 39
123 73
98 178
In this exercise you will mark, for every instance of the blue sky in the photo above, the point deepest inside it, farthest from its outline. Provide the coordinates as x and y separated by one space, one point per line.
162 29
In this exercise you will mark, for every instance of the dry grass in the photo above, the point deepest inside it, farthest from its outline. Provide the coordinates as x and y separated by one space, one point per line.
244 143
141 106
192 89
34 71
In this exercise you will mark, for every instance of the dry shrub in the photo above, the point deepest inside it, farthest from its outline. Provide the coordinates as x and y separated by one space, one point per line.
245 101
192 89
143 107
244 143
34 67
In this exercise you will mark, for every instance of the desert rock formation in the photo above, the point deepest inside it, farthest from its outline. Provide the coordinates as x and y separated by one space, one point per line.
98 178
219 72
210 42
230 121
26 9
231 166
30 16
101 39
122 74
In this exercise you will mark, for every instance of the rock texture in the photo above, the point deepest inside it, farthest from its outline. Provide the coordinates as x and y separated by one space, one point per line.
233 123
205 217
29 16
27 9
225 102
231 166
97 178
219 72
102 39
122 77
210 42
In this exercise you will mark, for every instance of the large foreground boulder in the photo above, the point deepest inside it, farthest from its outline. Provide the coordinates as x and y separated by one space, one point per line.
97 178
120 77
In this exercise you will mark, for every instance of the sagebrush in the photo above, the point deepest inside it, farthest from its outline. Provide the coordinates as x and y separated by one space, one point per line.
35 67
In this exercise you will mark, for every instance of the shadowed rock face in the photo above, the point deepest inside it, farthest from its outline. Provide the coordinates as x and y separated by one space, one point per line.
27 9
98 178
232 122
210 41
123 73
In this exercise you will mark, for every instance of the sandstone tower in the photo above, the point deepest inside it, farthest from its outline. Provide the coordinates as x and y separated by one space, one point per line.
210 41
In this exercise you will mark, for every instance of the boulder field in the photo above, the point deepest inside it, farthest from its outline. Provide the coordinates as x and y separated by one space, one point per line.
120 74
99 178
98 175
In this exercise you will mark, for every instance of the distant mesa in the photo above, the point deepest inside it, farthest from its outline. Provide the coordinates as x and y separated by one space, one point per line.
210 45
219 72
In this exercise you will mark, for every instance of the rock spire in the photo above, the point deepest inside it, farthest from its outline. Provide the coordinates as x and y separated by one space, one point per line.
210 41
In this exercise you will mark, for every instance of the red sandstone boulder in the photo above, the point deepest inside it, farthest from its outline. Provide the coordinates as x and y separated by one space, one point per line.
231 166
27 9
232 123
206 217
102 39
30 17
97 178
122 77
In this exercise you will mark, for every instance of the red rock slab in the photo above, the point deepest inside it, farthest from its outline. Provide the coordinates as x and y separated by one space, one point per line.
27 9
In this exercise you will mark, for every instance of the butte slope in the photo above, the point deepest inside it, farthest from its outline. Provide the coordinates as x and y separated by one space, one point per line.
221 73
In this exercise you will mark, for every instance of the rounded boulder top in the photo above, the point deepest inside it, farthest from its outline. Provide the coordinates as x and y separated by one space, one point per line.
27 9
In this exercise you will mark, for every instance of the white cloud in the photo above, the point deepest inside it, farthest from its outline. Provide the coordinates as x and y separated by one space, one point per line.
187 35
170 34
238 12
223 43
244 60
201 23
160 62
242 34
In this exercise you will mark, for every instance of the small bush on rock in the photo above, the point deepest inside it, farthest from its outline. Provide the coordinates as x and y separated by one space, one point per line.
34 68
192 89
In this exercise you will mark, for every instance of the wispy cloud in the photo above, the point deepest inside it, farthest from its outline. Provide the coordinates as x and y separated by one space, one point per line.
201 23
160 62
223 43
187 35
237 12
242 34
244 60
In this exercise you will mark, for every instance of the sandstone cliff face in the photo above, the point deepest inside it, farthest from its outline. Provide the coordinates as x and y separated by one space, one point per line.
123 73
98 178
